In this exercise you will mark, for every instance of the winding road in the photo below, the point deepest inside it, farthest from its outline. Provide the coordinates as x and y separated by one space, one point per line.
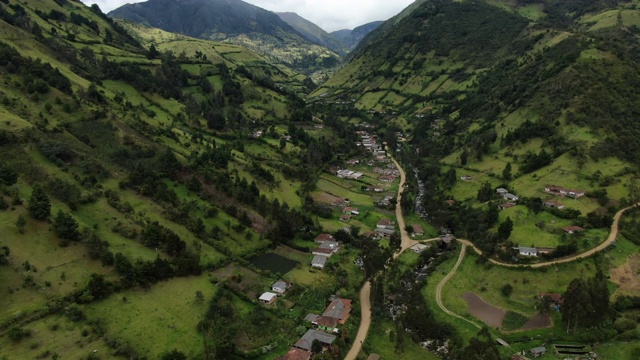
407 242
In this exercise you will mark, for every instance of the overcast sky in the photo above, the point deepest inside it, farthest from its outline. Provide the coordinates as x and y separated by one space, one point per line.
330 15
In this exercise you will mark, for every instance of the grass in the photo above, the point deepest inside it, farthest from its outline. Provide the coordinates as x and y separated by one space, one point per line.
513 320
55 335
159 319
379 342
618 350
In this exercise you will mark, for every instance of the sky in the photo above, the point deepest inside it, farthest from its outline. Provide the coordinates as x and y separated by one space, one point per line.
331 15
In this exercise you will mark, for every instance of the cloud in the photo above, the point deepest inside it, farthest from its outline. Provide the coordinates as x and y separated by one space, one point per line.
330 15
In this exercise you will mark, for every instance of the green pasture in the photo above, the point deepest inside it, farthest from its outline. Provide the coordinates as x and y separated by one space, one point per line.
56 334
157 320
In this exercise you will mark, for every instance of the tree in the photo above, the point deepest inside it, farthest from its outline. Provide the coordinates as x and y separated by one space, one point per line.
153 52
316 346
199 296
485 192
505 228
8 176
66 226
506 173
481 347
39 203
174 354
506 290
21 222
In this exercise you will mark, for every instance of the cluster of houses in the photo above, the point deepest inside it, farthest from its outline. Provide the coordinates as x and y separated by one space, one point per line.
561 191
389 174
327 246
279 288
324 328
511 199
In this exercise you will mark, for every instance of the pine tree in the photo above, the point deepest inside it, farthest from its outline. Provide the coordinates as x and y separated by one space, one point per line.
506 173
39 203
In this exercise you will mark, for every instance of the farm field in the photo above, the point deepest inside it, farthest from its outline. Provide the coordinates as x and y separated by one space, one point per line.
274 263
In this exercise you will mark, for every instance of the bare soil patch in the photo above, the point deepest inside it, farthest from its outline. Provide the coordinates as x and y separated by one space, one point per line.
484 311
627 276
539 321
325 198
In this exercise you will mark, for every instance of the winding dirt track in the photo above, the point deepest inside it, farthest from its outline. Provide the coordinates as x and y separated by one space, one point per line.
407 242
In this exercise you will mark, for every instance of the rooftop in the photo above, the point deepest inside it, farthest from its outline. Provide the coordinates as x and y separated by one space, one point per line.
307 339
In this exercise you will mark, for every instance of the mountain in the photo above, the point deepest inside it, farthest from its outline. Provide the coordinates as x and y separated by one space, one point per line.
236 22
351 38
136 167
313 32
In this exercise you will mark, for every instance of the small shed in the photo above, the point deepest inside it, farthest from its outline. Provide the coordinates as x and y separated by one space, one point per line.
280 287
538 351
319 261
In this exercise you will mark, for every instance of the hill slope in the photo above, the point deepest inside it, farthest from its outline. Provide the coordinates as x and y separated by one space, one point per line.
351 38
313 32
234 21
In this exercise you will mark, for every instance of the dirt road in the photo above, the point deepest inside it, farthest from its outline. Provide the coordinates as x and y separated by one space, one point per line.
365 322
444 281
365 292
613 234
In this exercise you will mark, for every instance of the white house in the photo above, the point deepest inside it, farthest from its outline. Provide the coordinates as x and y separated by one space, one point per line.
510 197
268 298
319 261
280 287
527 251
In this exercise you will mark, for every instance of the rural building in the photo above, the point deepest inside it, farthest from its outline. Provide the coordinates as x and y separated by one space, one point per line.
307 339
296 354
345 217
339 309
555 298
559 190
353 162
327 248
280 287
326 323
350 210
319 261
572 229
384 224
502 191
447 238
527 251
349 174
510 197
384 233
417 230
538 351
418 248
324 237
387 178
466 178
374 188
268 298
506 205
554 204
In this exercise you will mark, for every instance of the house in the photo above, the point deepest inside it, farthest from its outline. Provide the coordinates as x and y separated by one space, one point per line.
350 210
339 309
307 339
527 251
345 217
572 229
326 323
417 230
510 197
296 354
466 178
538 351
554 204
353 162
385 223
502 191
555 299
319 261
323 237
387 178
418 248
280 287
378 170
384 233
310 317
268 298
559 190
373 188
327 248
506 205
